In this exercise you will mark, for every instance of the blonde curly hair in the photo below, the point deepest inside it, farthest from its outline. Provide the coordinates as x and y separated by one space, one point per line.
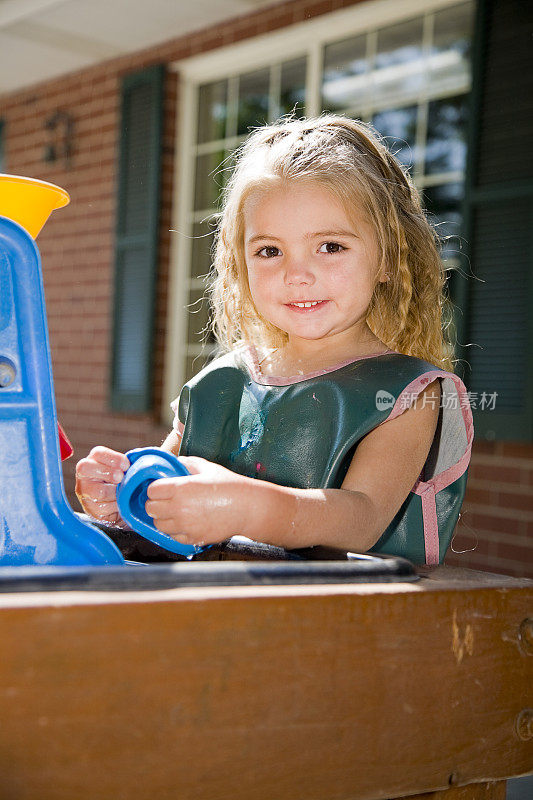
411 311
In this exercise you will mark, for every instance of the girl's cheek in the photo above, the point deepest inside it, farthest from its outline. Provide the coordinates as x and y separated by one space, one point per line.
260 282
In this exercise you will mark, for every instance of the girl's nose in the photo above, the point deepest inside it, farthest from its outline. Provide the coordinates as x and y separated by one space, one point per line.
298 272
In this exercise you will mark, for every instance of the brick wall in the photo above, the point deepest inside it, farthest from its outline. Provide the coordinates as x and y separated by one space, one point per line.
77 247
496 524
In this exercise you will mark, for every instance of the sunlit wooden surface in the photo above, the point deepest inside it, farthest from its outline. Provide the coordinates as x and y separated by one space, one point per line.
270 693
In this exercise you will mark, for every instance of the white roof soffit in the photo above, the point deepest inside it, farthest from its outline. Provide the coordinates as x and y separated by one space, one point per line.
43 39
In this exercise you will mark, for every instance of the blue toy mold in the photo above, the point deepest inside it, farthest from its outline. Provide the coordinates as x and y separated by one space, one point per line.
149 464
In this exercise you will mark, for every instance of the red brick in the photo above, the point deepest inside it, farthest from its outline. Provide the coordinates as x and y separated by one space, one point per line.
511 552
480 496
489 522
481 446
517 449
521 501
496 474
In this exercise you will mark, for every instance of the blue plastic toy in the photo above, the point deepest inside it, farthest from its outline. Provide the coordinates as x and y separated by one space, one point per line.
37 525
147 465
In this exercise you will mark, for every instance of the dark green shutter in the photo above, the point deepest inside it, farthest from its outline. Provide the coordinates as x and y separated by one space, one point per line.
497 298
136 239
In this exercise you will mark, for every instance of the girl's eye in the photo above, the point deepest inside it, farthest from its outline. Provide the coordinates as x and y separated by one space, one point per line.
268 252
331 247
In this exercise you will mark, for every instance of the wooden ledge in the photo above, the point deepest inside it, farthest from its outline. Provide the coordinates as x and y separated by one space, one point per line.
271 693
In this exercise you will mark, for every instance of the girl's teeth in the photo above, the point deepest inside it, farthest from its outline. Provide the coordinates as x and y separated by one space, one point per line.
307 305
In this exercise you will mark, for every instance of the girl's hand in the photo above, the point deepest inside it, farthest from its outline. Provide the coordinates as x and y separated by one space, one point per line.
97 478
207 506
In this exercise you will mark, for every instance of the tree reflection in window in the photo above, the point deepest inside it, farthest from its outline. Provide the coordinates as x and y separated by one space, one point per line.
398 126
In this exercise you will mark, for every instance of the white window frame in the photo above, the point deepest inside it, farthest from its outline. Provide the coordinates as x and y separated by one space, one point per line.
303 39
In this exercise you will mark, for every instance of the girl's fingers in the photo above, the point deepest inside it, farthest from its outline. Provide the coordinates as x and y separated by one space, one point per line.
168 526
93 470
96 491
101 510
157 509
162 489
103 464
110 458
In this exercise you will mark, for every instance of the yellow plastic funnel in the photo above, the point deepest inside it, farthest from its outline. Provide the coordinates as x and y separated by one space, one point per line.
29 201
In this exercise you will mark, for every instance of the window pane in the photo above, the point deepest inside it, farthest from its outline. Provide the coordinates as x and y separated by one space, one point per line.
443 204
400 67
202 244
398 125
253 100
450 54
345 81
446 135
208 181
292 93
212 111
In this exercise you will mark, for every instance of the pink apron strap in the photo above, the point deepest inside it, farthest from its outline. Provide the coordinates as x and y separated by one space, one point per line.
431 527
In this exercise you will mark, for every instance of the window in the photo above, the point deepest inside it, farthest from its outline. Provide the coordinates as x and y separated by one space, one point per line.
404 68
411 81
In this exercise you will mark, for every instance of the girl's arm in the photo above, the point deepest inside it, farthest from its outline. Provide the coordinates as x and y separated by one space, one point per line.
215 503
172 442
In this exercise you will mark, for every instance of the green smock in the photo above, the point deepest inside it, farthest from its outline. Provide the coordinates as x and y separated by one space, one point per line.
303 432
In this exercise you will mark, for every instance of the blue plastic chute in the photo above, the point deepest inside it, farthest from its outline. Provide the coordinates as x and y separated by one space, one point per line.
37 525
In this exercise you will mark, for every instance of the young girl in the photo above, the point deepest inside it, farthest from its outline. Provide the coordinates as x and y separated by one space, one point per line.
333 418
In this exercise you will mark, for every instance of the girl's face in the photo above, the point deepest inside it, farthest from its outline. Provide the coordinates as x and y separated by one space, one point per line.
311 270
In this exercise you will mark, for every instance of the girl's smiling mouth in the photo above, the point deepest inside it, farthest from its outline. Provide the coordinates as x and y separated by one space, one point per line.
305 305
